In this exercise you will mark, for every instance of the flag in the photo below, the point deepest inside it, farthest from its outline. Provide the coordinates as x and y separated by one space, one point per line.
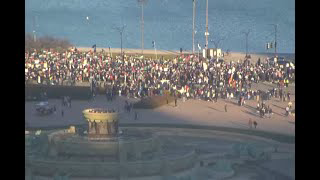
94 47
230 79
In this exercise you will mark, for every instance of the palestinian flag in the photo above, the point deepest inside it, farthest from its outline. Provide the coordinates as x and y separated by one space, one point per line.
230 79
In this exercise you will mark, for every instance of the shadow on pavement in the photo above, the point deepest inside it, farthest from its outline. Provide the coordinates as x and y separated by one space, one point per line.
214 109
253 114
279 107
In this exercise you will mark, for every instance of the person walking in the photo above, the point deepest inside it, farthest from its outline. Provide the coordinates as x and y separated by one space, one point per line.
175 101
255 124
290 105
287 111
270 112
225 107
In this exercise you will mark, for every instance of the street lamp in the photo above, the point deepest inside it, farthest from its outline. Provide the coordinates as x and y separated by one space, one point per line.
207 33
193 23
275 39
142 2
246 33
120 30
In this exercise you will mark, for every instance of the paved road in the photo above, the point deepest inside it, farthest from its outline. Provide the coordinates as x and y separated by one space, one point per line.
196 112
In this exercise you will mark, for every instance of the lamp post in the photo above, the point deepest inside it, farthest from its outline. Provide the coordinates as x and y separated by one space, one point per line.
193 23
275 39
120 30
246 33
207 33
142 2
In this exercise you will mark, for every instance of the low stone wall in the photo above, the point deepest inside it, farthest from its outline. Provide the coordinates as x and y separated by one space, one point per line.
97 148
110 169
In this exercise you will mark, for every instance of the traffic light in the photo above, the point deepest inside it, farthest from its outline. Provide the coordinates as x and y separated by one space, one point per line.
271 45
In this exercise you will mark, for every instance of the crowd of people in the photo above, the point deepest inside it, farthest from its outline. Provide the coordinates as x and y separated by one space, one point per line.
183 76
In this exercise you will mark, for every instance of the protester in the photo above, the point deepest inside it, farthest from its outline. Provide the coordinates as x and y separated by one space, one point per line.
290 105
138 77
255 124
135 115
270 112
287 111
175 102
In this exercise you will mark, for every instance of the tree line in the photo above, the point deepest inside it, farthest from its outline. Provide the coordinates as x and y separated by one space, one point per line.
46 42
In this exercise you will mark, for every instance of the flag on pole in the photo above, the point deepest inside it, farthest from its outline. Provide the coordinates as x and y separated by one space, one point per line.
94 47
153 44
230 79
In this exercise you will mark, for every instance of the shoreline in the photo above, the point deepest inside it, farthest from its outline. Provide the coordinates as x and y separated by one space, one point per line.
152 51
233 56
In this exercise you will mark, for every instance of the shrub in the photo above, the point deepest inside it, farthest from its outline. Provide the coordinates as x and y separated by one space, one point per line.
153 102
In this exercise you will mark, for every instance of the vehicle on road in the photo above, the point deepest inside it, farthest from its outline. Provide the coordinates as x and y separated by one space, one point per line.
44 108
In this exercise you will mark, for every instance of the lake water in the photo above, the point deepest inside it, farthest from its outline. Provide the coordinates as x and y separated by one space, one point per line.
168 22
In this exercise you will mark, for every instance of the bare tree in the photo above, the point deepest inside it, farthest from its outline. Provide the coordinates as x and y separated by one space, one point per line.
45 42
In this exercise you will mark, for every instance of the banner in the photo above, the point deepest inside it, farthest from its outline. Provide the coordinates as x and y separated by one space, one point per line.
205 66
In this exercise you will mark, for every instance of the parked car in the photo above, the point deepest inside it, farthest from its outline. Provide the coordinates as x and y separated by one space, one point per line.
44 108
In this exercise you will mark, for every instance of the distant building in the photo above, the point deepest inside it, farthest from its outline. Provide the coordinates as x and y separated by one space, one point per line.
212 53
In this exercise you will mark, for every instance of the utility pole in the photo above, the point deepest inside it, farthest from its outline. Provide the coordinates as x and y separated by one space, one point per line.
207 33
142 2
142 28
193 23
246 34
